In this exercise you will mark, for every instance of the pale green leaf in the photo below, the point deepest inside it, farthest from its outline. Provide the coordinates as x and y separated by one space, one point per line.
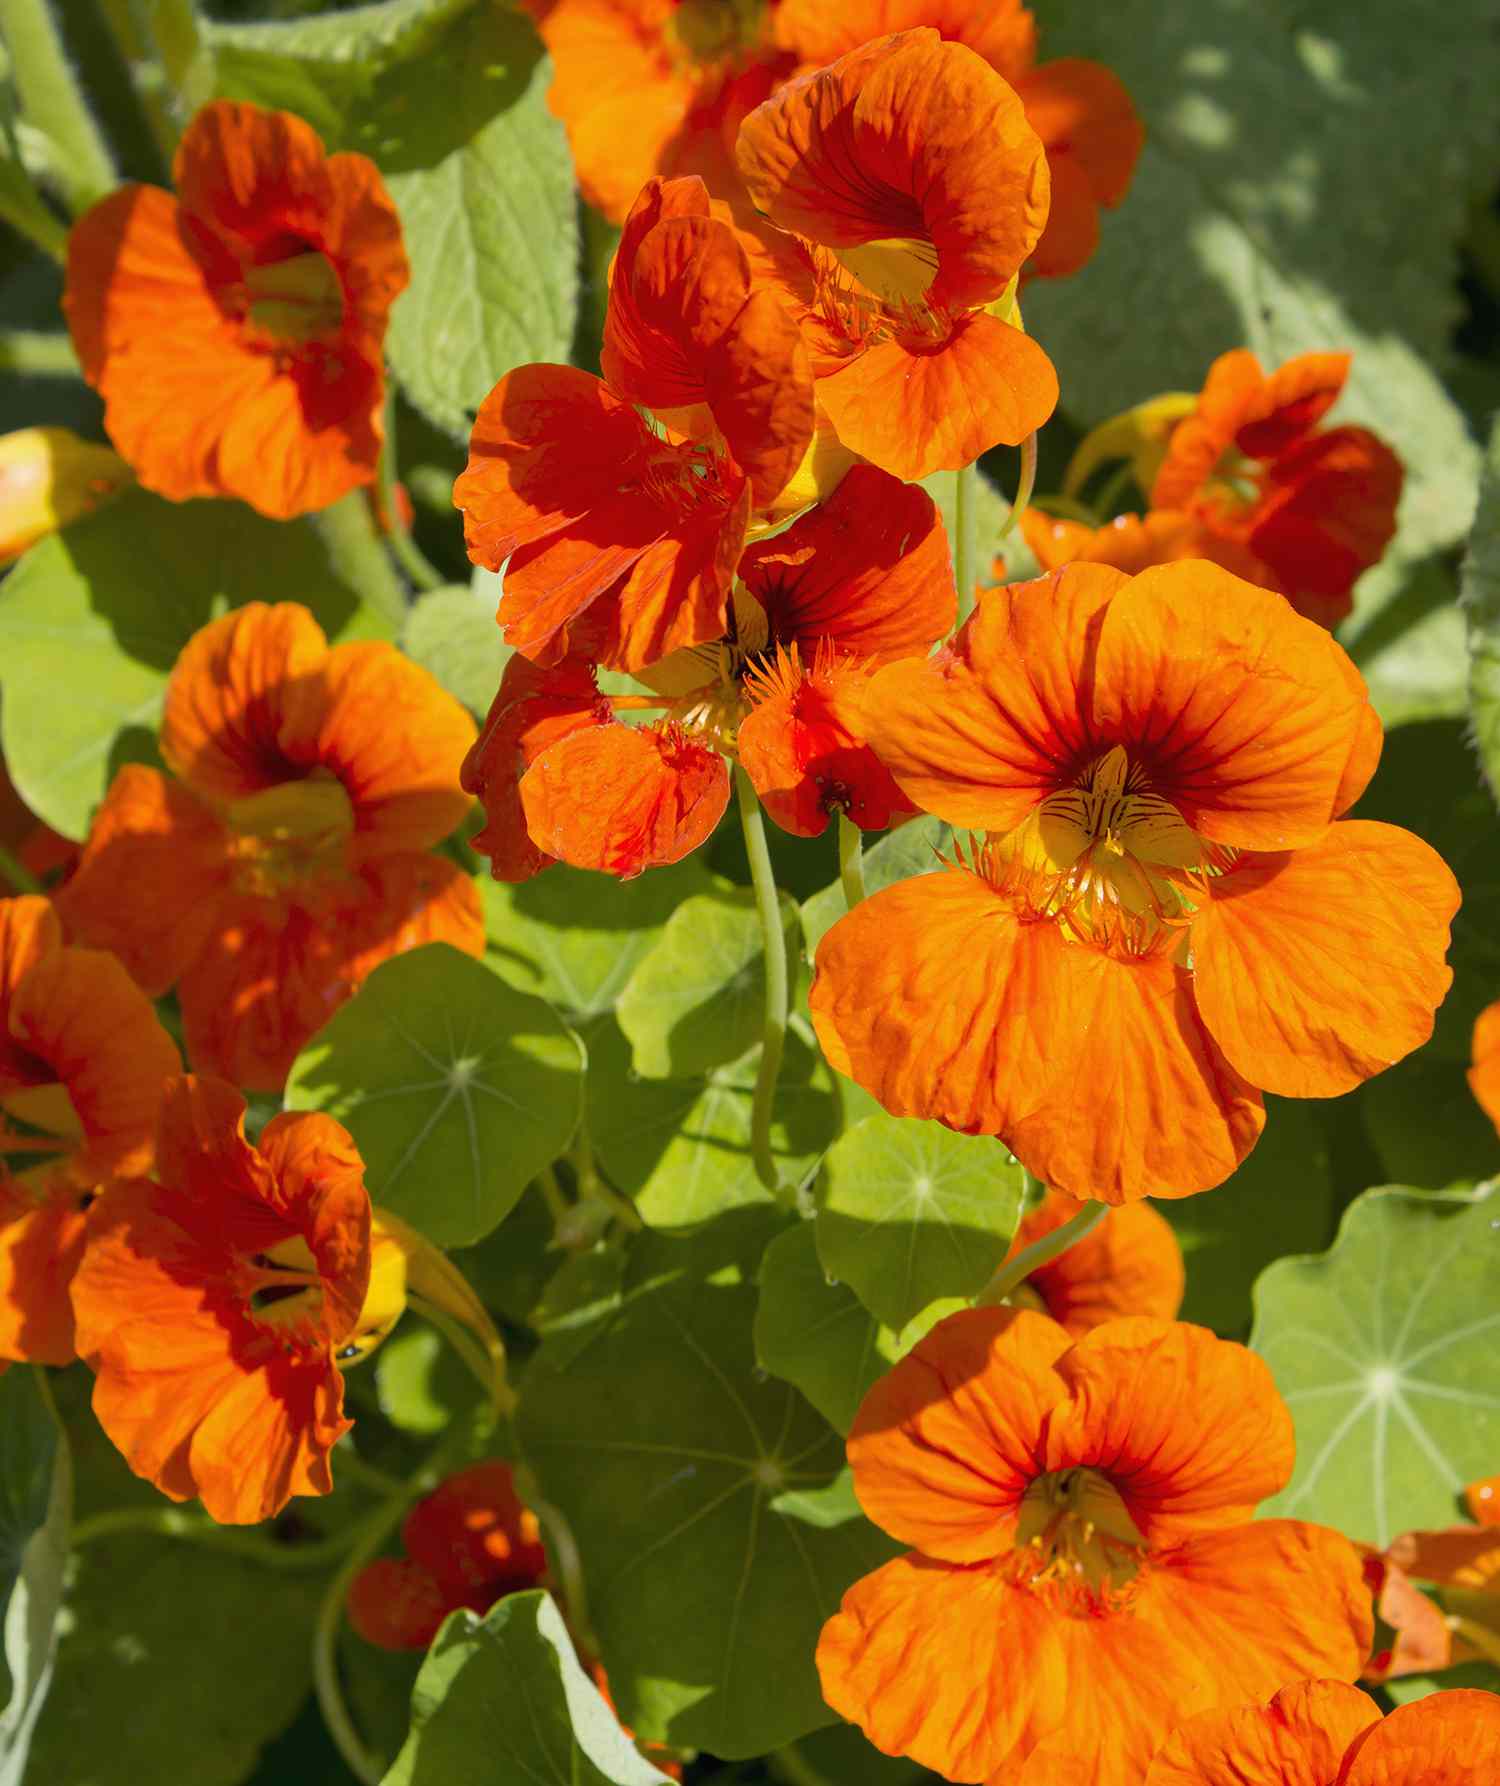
1406 634
419 1380
93 618
683 1472
910 1212
1481 598
1384 1348
36 1499
681 1147
457 1089
504 1699
452 633
574 937
697 1000
1302 187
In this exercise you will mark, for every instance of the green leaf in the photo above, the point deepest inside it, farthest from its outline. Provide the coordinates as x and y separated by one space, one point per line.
1406 635
910 1212
681 1147
689 1479
420 1381
1481 598
816 1334
575 937
93 618
36 1498
504 1699
991 511
1264 214
1384 1348
452 633
1424 1123
175 1664
1281 1200
457 1088
912 848
1482 1677
697 1000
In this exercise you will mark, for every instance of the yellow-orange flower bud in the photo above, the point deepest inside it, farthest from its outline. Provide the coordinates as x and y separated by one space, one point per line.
49 477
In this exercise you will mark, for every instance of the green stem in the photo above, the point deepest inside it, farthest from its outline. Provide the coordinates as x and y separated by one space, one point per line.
487 1370
349 532
1066 508
363 1763
37 353
773 1035
1025 489
52 101
552 1195
563 1557
789 1767
18 874
407 552
1015 1272
593 1187
851 861
186 58
965 537
29 217
190 1528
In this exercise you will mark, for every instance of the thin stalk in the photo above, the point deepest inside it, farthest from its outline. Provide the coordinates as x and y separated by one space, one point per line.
965 537
185 56
408 554
363 1763
789 1767
52 101
1015 1272
1477 1637
773 1034
171 1522
558 1206
487 1367
851 861
1067 508
38 353
348 531
1025 489
15 871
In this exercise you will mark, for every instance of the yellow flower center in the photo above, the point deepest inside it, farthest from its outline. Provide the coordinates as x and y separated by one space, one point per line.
710 31
297 299
296 832
1077 1543
47 1110
285 1288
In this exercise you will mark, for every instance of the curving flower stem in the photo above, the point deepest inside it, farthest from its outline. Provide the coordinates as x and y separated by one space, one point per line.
172 1522
773 1036
1015 1272
965 537
405 550
1025 489
851 861
361 1762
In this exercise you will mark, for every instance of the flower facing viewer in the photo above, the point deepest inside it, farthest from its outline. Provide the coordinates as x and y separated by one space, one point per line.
289 853
214 1299
1162 917
236 331
1085 1564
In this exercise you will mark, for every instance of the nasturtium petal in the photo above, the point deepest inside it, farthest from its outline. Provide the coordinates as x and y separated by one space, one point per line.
1383 1349
457 1089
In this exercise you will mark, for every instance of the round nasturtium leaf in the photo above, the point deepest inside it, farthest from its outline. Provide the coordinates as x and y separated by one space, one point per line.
457 1089
693 1484
1384 1348
910 1212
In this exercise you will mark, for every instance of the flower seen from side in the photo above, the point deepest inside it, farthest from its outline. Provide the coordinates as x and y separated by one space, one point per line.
236 330
1130 1264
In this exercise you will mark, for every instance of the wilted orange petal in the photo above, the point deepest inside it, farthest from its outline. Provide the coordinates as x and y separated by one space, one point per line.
154 869
915 409
1299 1739
1234 702
1189 1428
1446 1739
1128 1265
944 1445
623 798
1283 951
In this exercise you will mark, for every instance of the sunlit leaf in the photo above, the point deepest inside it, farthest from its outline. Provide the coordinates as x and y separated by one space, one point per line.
93 618
36 1498
504 1698
452 633
910 1212
457 1088
1481 597
682 1470
1384 1348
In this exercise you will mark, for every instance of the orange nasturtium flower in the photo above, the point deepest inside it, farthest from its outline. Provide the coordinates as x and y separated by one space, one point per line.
1079 109
1326 1733
1162 917
83 1063
1085 1563
236 331
1130 1264
1484 1074
912 189
1484 1500
289 852
215 1297
469 1543
622 504
1459 1621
